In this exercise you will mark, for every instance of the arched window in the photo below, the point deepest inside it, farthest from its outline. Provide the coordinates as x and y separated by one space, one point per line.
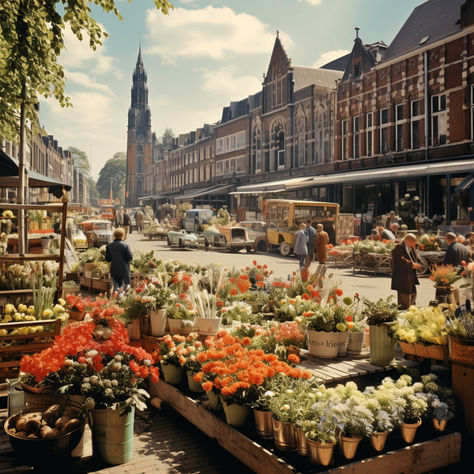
300 155
257 146
322 134
140 164
139 187
278 143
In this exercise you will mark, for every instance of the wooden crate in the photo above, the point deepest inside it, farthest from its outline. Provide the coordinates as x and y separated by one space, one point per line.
415 459
101 284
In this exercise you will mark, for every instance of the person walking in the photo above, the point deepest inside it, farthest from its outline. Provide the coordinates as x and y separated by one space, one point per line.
127 225
310 232
140 217
320 244
405 263
456 252
301 246
119 255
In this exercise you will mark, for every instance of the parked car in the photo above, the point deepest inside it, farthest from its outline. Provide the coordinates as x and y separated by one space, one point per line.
181 239
229 238
195 220
257 231
98 232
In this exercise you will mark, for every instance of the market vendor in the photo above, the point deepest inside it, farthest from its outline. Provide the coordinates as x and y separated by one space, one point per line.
456 252
119 255
405 263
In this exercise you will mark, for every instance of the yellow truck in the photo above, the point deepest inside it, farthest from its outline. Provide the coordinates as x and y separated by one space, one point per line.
283 217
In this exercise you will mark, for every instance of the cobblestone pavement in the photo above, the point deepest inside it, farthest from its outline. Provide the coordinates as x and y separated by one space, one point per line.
365 284
164 442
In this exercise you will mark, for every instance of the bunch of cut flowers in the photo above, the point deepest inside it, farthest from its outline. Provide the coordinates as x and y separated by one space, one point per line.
445 275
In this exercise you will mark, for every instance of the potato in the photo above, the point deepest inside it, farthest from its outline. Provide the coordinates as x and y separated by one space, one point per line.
21 423
12 430
21 434
51 414
32 436
60 422
71 425
32 425
47 432
70 412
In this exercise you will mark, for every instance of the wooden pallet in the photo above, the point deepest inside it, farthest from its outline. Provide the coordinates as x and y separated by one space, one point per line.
417 458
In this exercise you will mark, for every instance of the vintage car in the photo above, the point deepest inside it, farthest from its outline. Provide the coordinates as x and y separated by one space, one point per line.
257 231
196 219
79 239
228 238
98 232
181 239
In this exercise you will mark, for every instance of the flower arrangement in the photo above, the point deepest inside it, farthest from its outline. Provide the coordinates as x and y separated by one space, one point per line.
438 398
461 323
444 275
428 243
237 311
384 310
171 350
144 263
257 274
180 307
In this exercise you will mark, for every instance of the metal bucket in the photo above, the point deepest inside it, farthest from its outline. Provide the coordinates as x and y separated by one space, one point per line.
284 435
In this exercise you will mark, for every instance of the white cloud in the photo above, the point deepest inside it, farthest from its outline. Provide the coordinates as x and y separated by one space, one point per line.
312 2
329 56
209 32
226 80
79 55
86 81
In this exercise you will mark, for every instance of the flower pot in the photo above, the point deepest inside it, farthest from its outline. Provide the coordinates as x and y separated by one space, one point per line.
174 325
382 346
236 415
157 322
342 344
172 374
320 453
181 326
408 431
263 423
301 444
112 435
439 425
192 384
208 326
378 440
444 294
355 343
214 401
323 344
76 315
349 446
133 328
284 435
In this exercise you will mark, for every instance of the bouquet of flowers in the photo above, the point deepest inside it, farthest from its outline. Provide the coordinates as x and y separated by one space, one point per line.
444 275
237 311
180 307
427 243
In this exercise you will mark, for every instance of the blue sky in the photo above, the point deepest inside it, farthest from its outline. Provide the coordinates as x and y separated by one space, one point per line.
202 56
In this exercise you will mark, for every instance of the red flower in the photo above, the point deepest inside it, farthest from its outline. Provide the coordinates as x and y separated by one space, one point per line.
305 296
338 292
349 318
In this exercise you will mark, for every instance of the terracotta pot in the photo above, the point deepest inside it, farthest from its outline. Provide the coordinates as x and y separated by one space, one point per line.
349 446
439 425
284 435
408 431
378 440
263 423
301 444
76 315
293 350
134 330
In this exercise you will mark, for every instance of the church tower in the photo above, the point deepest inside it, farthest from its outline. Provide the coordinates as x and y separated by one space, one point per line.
139 136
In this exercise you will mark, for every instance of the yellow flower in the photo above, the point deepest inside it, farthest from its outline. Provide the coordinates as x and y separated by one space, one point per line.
22 308
58 308
341 327
31 310
9 308
47 313
62 302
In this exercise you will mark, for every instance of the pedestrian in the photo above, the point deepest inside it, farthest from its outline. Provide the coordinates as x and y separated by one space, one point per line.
456 252
119 218
405 263
392 219
320 244
310 232
140 217
301 246
127 225
119 255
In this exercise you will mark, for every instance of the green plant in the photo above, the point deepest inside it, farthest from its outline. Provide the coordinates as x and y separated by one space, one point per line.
384 310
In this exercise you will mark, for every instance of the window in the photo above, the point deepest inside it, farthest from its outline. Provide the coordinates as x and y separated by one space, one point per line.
219 168
344 139
415 126
355 137
384 126
357 70
230 143
140 164
369 134
139 147
257 147
399 124
300 155
438 120
280 139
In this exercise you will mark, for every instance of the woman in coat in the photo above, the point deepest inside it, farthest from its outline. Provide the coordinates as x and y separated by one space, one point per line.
320 244
300 248
119 255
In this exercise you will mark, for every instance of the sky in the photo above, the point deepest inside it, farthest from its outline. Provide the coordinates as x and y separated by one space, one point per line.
202 56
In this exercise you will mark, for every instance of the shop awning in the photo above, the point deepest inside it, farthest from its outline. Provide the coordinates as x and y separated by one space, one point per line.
190 195
466 184
394 173
211 191
270 187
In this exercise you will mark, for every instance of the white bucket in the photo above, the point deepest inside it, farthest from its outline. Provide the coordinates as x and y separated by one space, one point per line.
208 326
323 344
342 346
158 322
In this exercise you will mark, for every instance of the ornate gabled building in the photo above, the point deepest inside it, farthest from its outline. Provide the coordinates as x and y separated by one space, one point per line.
139 136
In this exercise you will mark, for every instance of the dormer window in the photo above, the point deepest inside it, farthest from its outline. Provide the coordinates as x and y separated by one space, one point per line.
356 70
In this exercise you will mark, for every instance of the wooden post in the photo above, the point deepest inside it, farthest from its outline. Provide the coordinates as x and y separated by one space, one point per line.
62 248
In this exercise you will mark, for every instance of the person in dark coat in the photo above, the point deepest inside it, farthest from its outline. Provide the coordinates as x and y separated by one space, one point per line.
127 225
310 232
119 255
456 252
405 263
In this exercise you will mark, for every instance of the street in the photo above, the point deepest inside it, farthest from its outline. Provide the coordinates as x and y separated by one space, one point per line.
367 285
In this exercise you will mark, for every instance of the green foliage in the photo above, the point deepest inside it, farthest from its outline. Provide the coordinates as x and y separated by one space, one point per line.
113 174
167 138
80 160
31 41
381 311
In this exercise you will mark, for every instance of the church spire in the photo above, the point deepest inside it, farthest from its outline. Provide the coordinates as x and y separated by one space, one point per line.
139 58
139 87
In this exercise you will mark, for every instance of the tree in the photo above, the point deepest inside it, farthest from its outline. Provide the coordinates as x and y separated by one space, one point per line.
31 41
112 177
80 160
167 138
93 194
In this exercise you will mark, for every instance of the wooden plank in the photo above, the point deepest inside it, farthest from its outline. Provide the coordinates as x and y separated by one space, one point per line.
16 292
243 448
39 207
15 257
415 459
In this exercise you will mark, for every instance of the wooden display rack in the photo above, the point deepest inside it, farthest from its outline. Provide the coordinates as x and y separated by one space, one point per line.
417 458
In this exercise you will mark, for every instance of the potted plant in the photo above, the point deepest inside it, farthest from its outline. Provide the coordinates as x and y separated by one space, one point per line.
380 316
169 356
207 320
262 413
188 352
180 314
441 405
444 277
320 432
284 413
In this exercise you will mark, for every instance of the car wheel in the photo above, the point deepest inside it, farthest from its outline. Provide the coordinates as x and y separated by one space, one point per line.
168 241
180 244
262 246
285 249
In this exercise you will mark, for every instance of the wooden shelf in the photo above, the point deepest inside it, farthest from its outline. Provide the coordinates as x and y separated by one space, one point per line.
38 207
15 257
16 292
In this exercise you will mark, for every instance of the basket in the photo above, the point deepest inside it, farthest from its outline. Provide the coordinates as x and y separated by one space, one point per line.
40 401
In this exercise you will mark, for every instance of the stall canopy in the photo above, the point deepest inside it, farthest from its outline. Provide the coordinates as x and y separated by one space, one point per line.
271 187
9 176
197 193
394 173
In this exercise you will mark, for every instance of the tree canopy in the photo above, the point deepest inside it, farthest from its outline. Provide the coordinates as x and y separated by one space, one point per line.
113 176
167 138
31 41
81 160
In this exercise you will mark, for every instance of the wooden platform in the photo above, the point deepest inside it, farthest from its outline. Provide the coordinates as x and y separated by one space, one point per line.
261 457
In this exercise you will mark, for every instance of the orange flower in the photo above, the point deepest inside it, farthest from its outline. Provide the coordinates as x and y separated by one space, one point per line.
207 386
294 358
246 341
338 292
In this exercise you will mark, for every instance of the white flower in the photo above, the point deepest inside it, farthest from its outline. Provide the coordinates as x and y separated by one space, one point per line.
268 393
285 407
